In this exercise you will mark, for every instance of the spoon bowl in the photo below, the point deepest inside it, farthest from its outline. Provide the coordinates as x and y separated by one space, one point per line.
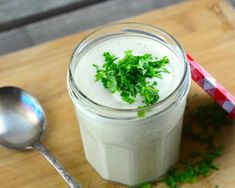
22 119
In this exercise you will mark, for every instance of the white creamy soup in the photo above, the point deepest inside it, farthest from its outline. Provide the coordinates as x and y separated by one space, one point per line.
129 151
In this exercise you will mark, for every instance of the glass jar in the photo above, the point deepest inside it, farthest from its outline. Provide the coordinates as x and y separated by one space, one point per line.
118 144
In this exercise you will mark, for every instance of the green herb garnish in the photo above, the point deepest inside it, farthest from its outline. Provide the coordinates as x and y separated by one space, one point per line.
131 76
146 185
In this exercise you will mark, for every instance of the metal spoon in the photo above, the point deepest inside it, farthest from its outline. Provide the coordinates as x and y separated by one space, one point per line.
22 124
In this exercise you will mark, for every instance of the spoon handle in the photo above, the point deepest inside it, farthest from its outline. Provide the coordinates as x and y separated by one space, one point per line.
56 164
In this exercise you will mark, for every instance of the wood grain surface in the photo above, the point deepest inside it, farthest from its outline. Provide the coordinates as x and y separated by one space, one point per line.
205 28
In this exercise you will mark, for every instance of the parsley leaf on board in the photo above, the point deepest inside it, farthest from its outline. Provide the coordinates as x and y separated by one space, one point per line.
202 126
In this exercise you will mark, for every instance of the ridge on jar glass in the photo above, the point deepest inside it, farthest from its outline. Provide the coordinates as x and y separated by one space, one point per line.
120 146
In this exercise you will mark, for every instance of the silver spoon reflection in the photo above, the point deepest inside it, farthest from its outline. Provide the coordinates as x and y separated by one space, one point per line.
22 124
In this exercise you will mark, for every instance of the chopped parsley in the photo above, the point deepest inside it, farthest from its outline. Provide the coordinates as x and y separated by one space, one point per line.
201 126
131 76
196 166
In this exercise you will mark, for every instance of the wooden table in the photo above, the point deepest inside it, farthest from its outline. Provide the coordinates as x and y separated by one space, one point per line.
205 28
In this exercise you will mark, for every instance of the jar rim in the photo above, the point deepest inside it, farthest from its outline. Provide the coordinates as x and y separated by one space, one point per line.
76 91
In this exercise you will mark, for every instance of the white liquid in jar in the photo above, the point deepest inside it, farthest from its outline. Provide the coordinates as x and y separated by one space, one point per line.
129 152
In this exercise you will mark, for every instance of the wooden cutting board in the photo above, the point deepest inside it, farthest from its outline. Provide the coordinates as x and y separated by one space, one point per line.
206 29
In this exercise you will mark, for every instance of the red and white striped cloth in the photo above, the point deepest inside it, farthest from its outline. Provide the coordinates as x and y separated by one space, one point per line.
212 87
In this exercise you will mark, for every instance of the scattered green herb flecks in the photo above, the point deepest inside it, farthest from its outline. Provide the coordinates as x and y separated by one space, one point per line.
146 185
192 169
131 76
202 126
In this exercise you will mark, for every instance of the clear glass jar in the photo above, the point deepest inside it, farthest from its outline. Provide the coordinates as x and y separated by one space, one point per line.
119 145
